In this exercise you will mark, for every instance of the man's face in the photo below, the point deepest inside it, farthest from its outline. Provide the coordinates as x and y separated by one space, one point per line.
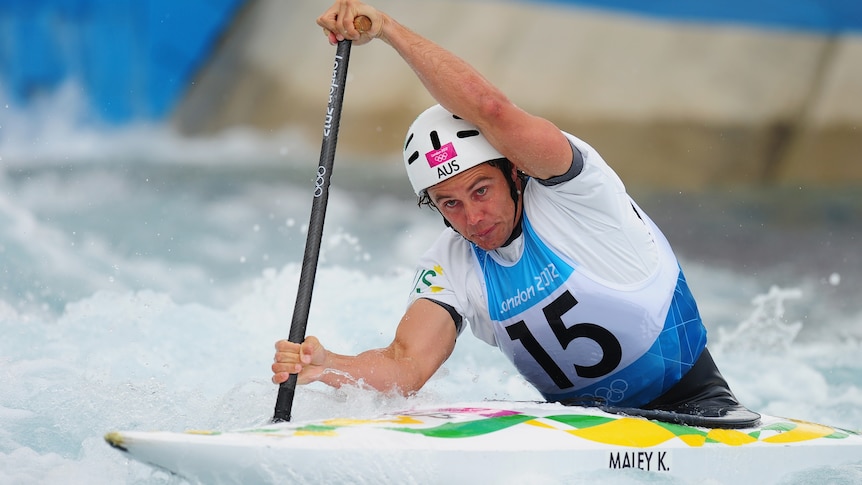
478 204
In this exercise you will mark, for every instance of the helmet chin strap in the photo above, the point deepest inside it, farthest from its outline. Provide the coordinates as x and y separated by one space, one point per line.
519 209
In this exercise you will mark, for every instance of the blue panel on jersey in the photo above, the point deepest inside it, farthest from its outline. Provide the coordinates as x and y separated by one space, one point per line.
514 289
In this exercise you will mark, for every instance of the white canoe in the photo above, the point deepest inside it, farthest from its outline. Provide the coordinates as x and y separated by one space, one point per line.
493 442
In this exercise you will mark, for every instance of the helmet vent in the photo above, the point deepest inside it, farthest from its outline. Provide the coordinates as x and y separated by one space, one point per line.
415 154
435 140
467 133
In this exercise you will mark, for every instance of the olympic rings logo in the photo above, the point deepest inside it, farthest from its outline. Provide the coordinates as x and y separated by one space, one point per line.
441 156
615 392
320 181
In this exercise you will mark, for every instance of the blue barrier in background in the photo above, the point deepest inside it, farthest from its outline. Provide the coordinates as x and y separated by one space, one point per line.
817 16
132 58
135 58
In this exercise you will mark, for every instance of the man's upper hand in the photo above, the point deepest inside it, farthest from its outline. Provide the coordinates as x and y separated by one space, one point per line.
351 20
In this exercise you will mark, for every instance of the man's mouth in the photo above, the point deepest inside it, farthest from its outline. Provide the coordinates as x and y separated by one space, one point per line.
483 234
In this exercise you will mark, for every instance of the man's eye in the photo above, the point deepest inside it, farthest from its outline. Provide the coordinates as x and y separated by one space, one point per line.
450 204
482 191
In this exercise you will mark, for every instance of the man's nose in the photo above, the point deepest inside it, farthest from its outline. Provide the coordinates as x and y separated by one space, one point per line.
473 213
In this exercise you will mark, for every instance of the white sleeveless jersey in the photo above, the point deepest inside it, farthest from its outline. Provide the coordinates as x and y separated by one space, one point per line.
588 302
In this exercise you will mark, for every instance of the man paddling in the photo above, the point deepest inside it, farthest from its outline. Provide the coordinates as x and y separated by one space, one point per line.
544 255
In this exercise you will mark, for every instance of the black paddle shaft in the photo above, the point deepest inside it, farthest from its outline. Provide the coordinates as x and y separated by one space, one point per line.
287 389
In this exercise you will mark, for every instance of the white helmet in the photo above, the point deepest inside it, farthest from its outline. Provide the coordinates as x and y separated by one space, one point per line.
440 145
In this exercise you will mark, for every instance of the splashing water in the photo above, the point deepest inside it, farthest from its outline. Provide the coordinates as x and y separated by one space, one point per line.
765 329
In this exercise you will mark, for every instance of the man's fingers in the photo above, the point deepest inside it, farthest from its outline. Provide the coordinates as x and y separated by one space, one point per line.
280 377
283 345
286 368
291 358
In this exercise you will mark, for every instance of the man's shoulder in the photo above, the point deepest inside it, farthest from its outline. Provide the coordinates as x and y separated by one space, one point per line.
449 247
445 270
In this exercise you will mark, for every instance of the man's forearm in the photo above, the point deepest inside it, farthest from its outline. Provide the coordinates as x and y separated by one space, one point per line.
376 368
455 84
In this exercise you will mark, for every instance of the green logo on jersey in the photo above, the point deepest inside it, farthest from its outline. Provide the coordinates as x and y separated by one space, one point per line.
424 280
